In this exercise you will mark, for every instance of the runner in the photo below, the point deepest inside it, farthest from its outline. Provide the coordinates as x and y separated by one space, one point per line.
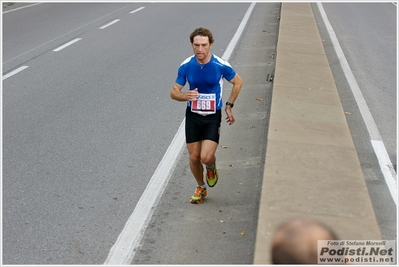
204 73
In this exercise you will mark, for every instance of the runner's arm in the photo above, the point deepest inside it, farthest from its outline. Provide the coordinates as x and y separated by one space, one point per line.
237 84
178 95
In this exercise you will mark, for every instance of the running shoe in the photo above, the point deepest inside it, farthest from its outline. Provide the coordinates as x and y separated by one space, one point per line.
199 195
211 176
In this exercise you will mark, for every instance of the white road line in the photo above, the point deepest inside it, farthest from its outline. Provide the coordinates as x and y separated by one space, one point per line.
233 42
122 252
8 75
15 9
376 140
136 10
67 44
109 24
386 168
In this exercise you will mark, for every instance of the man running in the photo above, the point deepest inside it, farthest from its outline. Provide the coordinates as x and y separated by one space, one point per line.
204 73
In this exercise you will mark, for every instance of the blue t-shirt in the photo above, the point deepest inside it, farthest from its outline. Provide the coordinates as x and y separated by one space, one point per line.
208 78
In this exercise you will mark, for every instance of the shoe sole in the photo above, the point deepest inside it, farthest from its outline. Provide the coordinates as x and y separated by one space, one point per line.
193 201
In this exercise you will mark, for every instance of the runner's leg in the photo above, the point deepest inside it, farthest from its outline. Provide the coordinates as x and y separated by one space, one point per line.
194 149
208 151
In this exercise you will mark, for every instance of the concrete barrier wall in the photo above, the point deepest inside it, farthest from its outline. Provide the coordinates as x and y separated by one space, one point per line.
312 169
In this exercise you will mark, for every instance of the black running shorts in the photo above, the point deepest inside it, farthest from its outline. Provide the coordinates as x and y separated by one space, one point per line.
200 127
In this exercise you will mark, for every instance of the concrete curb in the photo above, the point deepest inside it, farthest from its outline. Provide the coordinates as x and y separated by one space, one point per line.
312 169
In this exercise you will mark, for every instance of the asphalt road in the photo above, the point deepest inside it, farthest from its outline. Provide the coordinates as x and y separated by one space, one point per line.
367 33
84 128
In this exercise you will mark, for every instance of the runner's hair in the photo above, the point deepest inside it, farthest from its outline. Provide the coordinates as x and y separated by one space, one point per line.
202 32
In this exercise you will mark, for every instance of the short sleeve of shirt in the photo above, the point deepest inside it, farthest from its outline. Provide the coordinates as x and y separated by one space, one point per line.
181 76
229 72
181 72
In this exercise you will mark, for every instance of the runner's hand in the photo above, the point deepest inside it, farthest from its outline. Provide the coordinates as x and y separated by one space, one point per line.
230 118
192 94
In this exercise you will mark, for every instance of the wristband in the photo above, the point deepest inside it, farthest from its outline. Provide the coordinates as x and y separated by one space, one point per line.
229 104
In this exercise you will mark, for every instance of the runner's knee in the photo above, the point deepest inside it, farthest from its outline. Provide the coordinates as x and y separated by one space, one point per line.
208 159
194 157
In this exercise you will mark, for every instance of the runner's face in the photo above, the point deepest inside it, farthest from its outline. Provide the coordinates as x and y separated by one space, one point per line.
201 47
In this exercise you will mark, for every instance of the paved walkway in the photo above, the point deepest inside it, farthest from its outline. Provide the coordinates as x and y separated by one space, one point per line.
312 169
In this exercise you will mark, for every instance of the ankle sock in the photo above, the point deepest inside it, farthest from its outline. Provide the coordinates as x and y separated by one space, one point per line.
211 167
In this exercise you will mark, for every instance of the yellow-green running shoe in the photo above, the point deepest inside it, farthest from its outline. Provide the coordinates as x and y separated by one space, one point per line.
199 195
211 176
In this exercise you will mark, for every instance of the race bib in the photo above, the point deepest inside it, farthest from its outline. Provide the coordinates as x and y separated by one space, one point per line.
205 104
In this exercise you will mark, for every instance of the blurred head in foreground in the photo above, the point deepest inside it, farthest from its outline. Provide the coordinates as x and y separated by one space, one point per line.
295 242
